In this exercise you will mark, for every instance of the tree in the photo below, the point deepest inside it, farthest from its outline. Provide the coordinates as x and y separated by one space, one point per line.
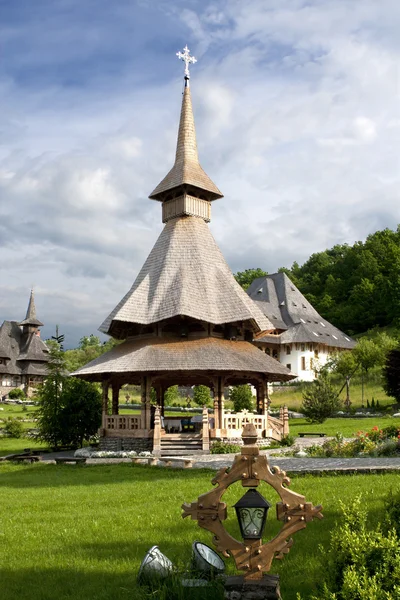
346 365
245 278
391 374
49 396
89 348
172 395
81 411
320 400
58 338
69 409
201 395
241 397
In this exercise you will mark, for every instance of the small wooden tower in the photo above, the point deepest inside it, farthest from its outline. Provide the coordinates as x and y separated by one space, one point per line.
185 320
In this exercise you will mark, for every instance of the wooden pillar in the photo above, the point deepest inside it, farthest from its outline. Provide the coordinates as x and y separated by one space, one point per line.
221 402
115 398
146 410
160 391
157 433
216 403
104 387
285 421
205 432
260 398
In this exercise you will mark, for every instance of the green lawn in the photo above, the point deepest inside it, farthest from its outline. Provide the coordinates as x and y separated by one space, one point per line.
293 398
80 532
348 427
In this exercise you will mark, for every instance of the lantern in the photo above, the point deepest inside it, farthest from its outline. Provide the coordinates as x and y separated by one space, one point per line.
251 512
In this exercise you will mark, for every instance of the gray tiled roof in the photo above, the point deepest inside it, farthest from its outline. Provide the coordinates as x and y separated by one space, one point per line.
186 274
206 354
286 307
21 349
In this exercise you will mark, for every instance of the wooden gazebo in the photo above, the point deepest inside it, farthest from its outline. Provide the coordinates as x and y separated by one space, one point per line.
185 320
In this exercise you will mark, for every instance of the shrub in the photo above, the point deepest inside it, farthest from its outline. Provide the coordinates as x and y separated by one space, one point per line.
241 397
201 395
224 448
320 400
287 440
13 428
362 564
17 394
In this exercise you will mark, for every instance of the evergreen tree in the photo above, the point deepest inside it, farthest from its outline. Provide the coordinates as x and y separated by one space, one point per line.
320 400
69 409
391 374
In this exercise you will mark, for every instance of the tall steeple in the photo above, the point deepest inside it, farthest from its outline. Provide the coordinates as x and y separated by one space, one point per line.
31 322
187 189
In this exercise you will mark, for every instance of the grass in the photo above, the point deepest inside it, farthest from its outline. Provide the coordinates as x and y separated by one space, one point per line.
348 427
293 396
80 532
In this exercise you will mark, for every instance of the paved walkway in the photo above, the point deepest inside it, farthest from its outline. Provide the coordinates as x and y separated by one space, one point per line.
286 463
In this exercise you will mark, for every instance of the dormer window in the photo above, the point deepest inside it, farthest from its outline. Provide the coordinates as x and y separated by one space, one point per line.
260 291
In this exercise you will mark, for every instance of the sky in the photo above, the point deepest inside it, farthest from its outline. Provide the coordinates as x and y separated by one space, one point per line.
297 113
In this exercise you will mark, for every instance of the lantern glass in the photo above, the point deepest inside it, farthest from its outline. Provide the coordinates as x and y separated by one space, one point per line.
251 512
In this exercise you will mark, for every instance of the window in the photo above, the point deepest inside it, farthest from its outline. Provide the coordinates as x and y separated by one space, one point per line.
268 351
316 353
303 363
322 324
302 320
288 350
289 367
334 336
303 347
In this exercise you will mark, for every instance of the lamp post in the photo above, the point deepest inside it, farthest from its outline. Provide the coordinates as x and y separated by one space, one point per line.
252 556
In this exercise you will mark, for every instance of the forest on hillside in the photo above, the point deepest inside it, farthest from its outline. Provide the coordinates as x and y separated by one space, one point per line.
354 287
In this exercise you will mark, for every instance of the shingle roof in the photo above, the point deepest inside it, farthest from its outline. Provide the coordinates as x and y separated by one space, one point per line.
164 354
186 169
186 274
21 349
31 318
283 303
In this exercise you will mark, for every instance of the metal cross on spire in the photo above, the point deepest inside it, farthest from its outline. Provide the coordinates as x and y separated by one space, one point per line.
185 56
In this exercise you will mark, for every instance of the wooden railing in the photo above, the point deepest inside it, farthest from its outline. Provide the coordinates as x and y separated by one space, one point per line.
123 422
234 422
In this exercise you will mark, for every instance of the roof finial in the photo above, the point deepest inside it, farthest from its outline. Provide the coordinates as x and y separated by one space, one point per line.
187 60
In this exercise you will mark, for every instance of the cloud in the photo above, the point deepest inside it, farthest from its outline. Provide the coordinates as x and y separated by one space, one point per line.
296 109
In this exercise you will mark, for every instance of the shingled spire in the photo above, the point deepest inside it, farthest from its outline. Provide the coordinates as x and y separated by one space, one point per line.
186 177
31 319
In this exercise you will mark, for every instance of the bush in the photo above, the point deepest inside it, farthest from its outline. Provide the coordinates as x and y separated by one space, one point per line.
201 395
241 397
17 394
287 440
13 428
362 564
320 400
224 448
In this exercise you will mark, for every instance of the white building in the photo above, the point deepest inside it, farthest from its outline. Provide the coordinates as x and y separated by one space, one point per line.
302 340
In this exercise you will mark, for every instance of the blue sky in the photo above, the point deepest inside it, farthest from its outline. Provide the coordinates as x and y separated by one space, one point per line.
298 123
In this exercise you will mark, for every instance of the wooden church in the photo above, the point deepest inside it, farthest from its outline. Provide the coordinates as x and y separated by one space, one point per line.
185 320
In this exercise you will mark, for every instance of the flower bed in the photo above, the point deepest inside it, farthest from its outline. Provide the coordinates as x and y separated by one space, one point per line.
90 453
376 442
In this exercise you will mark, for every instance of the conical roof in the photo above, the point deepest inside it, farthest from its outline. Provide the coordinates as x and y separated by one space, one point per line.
30 318
187 169
185 274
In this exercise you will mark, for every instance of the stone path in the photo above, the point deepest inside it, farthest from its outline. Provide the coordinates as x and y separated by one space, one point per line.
286 463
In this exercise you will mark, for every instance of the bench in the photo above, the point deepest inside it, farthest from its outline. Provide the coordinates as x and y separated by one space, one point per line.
69 459
168 460
312 433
